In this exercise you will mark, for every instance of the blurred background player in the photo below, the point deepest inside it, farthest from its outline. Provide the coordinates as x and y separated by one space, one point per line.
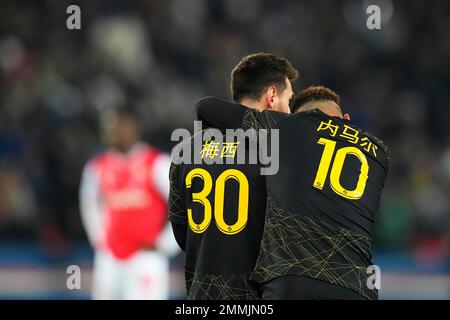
124 210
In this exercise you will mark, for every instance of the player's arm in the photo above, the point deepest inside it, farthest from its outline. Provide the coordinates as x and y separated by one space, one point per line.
160 174
177 207
160 177
220 113
90 206
225 114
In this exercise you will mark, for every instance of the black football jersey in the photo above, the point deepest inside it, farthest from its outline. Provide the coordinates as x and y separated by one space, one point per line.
222 207
322 202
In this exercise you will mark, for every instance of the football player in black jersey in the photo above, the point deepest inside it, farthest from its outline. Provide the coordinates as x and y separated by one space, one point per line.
218 210
317 241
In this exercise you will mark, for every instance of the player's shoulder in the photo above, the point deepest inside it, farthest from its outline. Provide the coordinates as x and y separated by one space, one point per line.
364 135
219 113
302 120
369 143
380 145
181 151
262 119
187 143
143 149
98 158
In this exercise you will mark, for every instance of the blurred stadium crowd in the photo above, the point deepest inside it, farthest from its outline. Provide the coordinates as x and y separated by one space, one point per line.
159 57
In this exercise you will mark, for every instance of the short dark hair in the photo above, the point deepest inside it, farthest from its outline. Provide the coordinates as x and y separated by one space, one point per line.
314 93
255 72
125 111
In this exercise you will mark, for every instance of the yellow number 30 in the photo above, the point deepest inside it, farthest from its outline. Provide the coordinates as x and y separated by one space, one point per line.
336 169
201 197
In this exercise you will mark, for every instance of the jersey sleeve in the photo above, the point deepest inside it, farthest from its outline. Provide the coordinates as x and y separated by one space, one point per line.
90 206
225 114
177 207
177 202
160 174
166 243
220 113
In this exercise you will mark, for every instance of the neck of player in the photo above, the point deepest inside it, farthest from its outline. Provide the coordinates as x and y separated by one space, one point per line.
252 104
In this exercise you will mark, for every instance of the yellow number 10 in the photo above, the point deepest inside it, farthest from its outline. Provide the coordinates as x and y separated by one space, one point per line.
201 197
336 169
